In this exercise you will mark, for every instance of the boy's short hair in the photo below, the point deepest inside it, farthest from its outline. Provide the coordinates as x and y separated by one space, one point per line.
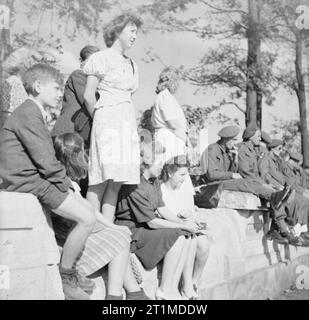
43 72
113 29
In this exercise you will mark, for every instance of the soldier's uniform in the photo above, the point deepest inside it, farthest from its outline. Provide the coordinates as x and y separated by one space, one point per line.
248 161
297 210
292 176
300 174
221 165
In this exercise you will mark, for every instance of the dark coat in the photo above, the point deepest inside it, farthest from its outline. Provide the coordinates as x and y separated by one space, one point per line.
73 108
27 154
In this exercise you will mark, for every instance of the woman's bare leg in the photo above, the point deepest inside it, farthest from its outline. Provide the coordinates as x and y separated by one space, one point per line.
75 210
202 253
187 275
117 269
170 267
95 194
110 200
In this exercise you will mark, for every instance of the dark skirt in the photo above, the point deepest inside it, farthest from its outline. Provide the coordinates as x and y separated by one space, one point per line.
151 245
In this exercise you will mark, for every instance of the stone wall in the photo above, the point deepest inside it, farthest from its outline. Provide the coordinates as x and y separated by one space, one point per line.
242 264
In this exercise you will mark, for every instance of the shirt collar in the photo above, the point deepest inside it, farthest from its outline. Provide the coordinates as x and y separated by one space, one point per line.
250 145
222 147
150 180
44 113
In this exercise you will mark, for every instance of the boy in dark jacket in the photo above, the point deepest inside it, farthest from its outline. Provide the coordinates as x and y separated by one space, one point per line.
29 165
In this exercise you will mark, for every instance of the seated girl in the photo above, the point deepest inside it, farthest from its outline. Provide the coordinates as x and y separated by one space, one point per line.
108 243
181 204
155 239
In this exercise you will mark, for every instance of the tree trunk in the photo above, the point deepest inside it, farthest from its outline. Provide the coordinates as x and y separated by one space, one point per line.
301 95
4 44
253 98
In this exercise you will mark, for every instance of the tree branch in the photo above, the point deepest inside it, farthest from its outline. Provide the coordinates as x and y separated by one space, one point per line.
234 104
220 10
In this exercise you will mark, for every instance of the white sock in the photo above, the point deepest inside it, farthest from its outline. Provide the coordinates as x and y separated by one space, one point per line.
297 229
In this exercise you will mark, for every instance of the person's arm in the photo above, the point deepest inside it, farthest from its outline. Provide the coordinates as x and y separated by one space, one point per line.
77 85
276 174
263 166
166 214
244 167
233 155
158 223
177 130
36 139
90 93
143 211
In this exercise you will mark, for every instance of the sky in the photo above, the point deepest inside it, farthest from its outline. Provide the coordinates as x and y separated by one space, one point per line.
173 49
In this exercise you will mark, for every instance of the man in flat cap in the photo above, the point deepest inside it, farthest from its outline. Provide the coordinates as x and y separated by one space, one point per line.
218 161
250 162
280 172
247 154
301 176
291 171
219 164
263 160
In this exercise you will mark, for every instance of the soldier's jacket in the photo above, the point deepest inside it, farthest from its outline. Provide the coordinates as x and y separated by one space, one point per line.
264 165
275 171
292 176
302 177
248 165
217 163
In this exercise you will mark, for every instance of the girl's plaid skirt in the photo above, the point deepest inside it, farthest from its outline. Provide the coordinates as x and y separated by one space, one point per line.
101 247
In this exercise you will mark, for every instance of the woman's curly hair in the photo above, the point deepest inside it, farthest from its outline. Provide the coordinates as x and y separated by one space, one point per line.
168 79
113 29
172 165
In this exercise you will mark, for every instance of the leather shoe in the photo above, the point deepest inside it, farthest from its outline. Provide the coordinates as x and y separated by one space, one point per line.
278 198
305 235
276 236
305 241
293 240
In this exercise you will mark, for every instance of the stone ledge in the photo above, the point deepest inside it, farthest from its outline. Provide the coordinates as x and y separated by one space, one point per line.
241 264
239 200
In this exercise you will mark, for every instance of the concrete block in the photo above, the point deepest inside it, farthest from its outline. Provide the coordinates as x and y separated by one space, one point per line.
28 248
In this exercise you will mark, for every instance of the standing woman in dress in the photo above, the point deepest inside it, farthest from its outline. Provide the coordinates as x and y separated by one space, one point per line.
114 157
169 121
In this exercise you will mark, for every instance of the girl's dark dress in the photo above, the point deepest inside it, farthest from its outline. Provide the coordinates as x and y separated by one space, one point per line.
137 205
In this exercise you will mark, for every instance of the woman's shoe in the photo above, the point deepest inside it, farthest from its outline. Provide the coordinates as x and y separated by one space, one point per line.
137 295
160 295
193 297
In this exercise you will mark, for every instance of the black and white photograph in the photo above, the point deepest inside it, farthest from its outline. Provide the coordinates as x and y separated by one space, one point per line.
154 150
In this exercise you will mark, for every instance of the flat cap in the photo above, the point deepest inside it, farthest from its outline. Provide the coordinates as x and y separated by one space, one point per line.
295 156
229 132
250 131
275 143
265 137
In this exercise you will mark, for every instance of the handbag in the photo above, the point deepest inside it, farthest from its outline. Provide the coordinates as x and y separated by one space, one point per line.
208 197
